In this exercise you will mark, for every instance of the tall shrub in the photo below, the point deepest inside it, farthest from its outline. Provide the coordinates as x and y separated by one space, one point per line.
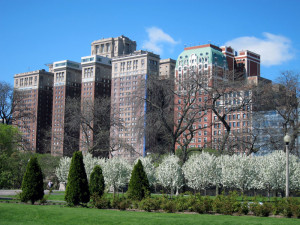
32 185
138 187
77 190
97 182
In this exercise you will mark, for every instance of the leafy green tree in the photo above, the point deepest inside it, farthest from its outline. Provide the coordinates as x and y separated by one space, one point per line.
9 137
138 187
97 182
32 185
77 190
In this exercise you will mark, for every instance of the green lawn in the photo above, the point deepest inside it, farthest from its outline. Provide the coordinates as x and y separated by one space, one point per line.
36 214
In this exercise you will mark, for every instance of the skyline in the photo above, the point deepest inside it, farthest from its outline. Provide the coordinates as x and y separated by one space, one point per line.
36 33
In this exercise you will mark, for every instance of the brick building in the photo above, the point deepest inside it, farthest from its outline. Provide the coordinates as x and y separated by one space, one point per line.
208 61
33 108
129 77
67 84
96 84
214 66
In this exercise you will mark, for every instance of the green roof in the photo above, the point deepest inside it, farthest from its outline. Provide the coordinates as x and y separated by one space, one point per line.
212 54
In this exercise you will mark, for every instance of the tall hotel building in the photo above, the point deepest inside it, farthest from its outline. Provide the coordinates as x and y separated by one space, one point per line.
216 64
129 76
67 84
96 83
33 108
208 61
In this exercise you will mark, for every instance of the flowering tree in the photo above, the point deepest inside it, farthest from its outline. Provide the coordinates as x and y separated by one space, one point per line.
272 171
238 171
116 173
200 171
62 171
149 169
90 162
169 173
294 173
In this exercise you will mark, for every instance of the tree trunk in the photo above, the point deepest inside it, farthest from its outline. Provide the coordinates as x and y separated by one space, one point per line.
114 192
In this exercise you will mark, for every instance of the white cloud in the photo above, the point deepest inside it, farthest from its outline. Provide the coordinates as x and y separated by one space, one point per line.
274 49
157 40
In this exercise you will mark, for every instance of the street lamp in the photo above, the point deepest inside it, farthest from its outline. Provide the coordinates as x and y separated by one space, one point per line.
287 140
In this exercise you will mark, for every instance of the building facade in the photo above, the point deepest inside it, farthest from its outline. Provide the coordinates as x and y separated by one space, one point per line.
67 85
95 103
197 69
33 93
128 94
113 47
211 67
167 68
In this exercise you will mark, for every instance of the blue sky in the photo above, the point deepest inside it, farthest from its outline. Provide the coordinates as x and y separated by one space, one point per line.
33 33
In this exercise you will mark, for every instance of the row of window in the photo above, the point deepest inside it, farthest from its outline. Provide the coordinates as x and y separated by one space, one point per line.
26 81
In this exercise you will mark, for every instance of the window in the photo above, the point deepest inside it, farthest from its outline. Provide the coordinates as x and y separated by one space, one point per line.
143 63
107 47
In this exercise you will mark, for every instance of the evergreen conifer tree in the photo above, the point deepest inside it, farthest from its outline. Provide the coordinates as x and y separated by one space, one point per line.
97 182
77 190
138 187
32 184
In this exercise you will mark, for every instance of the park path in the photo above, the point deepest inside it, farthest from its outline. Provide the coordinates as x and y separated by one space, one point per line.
15 192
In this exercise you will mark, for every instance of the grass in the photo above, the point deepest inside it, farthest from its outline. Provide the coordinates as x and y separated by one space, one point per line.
36 214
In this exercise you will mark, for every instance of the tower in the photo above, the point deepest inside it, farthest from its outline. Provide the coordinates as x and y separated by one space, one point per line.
33 108
128 93
95 104
67 85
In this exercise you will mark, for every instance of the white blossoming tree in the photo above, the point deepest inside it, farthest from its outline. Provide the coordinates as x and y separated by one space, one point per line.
200 171
294 173
273 172
169 173
149 169
62 171
116 173
90 162
238 171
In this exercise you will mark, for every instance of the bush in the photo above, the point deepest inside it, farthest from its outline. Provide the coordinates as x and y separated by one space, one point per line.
32 185
200 204
226 204
261 209
138 187
218 203
121 203
278 206
100 202
291 207
77 190
244 208
97 182
296 210
182 202
169 206
149 204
